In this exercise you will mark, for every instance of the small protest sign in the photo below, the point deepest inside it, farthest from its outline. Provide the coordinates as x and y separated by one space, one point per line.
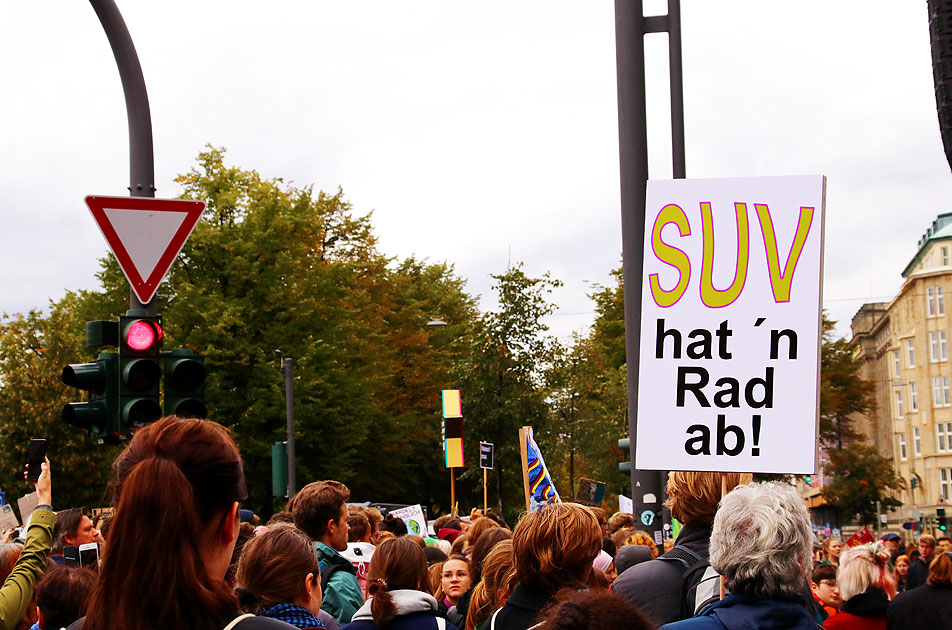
487 452
8 520
414 518
590 492
730 327
625 505
27 503
861 537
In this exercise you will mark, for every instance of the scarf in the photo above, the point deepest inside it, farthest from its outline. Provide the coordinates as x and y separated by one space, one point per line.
292 614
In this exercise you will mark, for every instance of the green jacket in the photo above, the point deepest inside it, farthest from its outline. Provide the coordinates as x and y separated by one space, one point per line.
17 590
342 596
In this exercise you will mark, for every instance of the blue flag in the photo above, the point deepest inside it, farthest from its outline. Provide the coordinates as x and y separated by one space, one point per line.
540 488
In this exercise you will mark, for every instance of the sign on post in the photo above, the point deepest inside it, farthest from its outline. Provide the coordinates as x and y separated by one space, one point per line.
730 328
145 235
486 454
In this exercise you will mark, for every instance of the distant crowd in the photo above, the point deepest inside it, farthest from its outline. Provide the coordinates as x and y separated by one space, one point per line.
180 552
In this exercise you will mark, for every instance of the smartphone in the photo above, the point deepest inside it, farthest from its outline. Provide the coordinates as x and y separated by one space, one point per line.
36 455
89 555
71 556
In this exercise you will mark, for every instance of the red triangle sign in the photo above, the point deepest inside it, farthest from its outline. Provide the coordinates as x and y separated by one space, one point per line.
145 235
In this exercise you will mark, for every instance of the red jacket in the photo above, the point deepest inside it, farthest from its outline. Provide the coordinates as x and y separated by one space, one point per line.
866 611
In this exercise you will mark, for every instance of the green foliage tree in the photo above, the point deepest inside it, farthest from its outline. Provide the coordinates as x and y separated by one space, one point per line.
860 478
502 380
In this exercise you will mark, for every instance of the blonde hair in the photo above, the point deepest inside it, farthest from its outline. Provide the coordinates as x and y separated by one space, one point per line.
554 546
639 537
694 496
864 566
498 579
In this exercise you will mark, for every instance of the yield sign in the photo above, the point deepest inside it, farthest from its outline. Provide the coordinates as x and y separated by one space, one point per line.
145 235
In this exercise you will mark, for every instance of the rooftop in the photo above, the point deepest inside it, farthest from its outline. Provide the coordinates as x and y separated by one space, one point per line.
940 230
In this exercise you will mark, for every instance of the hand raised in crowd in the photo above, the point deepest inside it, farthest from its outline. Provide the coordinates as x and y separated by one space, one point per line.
43 484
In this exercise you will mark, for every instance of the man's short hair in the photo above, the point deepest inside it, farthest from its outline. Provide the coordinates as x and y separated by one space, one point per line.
554 547
62 595
67 524
823 572
694 496
939 540
928 539
761 541
317 504
359 524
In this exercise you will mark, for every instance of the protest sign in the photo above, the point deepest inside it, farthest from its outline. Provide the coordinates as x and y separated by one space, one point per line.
414 518
625 505
8 520
730 335
27 503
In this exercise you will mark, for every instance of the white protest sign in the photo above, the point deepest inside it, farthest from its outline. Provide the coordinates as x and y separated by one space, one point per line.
414 518
8 520
730 326
625 505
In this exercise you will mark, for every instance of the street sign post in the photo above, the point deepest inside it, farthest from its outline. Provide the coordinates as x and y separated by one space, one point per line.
145 235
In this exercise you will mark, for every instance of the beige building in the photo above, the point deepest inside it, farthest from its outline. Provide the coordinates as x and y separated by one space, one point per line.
904 345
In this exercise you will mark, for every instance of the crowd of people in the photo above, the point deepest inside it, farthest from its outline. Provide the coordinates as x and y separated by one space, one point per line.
180 552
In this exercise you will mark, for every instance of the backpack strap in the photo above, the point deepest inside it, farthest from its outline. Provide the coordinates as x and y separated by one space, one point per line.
327 571
694 571
440 623
492 620
234 622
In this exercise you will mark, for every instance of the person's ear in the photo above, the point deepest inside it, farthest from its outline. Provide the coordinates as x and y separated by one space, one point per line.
231 524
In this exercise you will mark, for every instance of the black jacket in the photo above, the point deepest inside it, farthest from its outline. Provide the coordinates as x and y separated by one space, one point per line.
921 608
918 573
654 587
521 609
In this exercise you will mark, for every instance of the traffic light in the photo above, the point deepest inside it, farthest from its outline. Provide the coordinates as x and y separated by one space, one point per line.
184 385
98 414
940 519
625 466
140 338
808 478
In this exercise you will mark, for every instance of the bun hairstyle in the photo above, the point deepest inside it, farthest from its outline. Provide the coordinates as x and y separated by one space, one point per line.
864 566
273 566
173 484
397 563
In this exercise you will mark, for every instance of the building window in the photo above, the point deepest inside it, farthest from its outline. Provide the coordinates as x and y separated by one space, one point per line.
945 256
913 398
902 447
938 346
939 301
897 367
930 302
945 482
940 391
910 353
899 412
943 437
916 442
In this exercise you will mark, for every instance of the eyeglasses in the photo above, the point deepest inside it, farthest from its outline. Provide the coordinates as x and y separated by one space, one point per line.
830 583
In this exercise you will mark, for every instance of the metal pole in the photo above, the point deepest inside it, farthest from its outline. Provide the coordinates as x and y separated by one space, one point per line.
677 88
141 159
633 155
289 402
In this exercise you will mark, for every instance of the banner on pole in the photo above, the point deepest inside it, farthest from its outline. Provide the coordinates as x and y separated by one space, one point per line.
452 429
731 324
487 451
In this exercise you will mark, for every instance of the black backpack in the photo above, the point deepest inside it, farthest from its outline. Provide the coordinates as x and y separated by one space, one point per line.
700 584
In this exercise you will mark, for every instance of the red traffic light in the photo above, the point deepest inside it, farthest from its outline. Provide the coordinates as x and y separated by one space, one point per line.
142 335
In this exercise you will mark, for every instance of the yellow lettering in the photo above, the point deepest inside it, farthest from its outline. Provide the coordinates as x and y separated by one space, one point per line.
780 283
711 296
669 255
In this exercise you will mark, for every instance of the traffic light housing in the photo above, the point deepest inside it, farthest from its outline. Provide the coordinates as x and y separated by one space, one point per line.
98 415
625 466
940 519
139 372
808 478
184 385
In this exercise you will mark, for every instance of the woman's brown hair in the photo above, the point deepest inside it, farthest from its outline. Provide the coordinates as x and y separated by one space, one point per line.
273 566
555 546
173 485
498 578
397 563
940 571
487 541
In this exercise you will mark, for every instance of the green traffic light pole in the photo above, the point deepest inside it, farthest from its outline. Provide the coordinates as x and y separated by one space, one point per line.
289 407
631 26
141 156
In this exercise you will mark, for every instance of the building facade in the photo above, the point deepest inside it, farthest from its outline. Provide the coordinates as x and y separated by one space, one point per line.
904 348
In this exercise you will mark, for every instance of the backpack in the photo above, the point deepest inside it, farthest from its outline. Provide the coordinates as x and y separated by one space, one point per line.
697 577
329 569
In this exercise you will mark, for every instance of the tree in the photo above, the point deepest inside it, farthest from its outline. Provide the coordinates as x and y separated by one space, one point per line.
502 379
861 477
843 390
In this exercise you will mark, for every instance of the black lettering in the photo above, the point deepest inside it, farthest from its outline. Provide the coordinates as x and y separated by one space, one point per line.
694 388
699 444
660 334
723 334
767 383
722 430
775 336
730 395
700 349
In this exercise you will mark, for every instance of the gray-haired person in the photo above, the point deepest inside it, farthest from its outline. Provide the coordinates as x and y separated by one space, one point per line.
761 543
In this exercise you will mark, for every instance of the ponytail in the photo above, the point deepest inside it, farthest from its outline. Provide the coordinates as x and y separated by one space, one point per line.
381 606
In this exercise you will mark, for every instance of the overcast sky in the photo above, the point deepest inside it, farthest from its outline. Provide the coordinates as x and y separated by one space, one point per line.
477 133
